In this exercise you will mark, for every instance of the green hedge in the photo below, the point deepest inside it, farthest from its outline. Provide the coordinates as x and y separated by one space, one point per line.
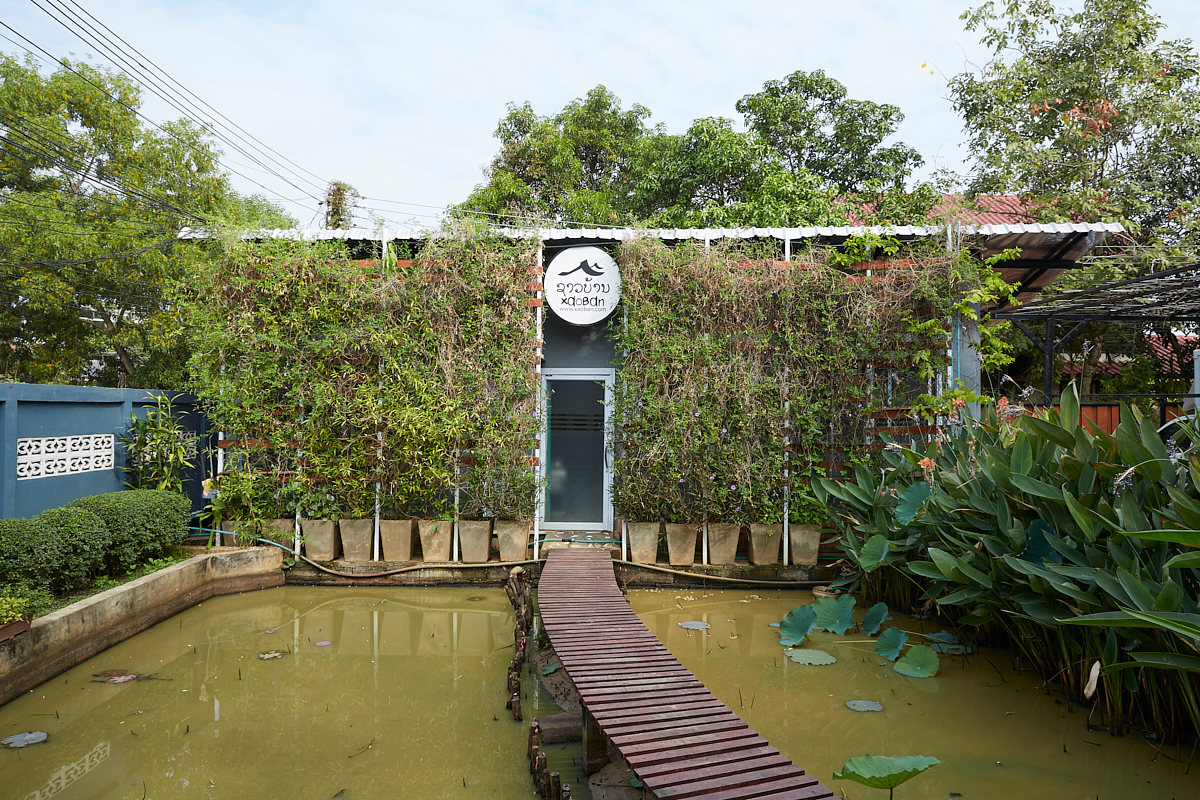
143 523
59 549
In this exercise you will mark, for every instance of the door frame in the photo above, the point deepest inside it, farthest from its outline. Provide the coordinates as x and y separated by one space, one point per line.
609 377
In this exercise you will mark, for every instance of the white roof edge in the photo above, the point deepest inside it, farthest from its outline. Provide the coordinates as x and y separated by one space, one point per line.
625 234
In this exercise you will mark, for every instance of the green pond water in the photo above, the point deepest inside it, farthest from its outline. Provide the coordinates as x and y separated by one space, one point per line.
407 700
997 734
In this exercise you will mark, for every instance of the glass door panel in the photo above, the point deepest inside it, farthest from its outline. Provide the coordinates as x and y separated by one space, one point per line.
575 469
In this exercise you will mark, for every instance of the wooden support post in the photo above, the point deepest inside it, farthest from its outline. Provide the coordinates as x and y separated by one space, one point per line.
534 750
533 738
566 793
595 745
516 706
555 786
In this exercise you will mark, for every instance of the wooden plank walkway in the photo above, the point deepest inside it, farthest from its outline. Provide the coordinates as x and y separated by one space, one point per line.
679 739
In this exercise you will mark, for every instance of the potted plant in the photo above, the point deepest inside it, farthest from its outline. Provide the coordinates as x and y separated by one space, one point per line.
395 532
804 526
436 538
499 489
356 526
766 534
318 511
475 540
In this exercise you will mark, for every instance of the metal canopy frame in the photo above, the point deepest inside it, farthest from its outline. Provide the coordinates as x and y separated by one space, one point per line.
1160 297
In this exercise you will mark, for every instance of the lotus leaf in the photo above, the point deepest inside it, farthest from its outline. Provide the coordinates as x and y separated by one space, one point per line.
873 552
919 662
884 772
890 643
911 501
946 637
835 616
815 658
874 618
694 625
796 625
950 649
864 705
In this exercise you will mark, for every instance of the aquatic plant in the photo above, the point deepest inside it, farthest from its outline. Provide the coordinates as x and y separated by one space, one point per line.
1067 545
884 772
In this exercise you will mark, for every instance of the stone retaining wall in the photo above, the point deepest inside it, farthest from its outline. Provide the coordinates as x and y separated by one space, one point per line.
69 636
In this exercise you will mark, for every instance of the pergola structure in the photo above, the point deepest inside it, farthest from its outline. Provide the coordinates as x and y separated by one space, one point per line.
1171 296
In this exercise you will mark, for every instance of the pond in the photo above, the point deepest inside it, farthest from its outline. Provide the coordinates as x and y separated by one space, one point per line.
386 692
997 734
365 693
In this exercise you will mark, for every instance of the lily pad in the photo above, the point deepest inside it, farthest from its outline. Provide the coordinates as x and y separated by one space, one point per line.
272 654
835 616
911 501
812 657
884 772
550 669
890 643
864 705
919 662
694 625
875 617
942 636
19 740
796 625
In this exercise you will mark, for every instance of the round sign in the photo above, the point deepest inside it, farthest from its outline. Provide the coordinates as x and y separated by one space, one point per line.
583 285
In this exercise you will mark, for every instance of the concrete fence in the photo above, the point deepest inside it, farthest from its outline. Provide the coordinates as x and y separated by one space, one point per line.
59 443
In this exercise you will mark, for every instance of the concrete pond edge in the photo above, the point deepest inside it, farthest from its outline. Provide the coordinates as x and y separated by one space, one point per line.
61 640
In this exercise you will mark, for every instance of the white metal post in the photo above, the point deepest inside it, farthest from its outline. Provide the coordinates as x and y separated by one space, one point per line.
787 424
539 467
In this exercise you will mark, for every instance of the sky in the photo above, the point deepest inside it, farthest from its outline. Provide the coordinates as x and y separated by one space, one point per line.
400 99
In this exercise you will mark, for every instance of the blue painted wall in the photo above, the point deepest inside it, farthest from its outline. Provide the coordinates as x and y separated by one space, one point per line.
34 410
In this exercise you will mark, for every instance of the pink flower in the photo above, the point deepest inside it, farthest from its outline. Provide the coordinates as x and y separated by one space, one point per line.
959 402
926 463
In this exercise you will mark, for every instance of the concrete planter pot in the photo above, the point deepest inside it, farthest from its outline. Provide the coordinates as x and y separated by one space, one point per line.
280 531
723 541
357 536
806 539
475 540
764 544
320 539
681 543
514 540
435 539
643 541
396 538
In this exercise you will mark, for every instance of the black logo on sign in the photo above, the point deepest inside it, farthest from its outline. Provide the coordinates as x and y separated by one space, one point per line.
595 271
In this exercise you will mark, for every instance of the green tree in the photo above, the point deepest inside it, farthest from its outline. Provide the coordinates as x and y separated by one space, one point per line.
814 127
714 176
1087 115
569 167
91 203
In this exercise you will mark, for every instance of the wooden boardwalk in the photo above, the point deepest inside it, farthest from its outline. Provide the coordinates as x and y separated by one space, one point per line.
680 740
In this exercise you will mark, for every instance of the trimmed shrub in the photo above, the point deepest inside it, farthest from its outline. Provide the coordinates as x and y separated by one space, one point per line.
143 523
35 600
57 550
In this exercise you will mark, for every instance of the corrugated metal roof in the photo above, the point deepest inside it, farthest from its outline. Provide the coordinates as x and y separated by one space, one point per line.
1018 231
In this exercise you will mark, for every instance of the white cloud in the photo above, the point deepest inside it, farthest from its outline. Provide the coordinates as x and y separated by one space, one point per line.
400 99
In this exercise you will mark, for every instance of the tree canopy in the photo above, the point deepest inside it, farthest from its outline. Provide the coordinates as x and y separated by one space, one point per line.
1086 114
91 201
596 162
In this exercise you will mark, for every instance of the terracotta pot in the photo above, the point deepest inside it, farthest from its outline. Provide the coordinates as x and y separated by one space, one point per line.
643 541
357 538
723 542
475 540
11 629
514 540
681 543
396 538
435 538
764 544
320 539
805 541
